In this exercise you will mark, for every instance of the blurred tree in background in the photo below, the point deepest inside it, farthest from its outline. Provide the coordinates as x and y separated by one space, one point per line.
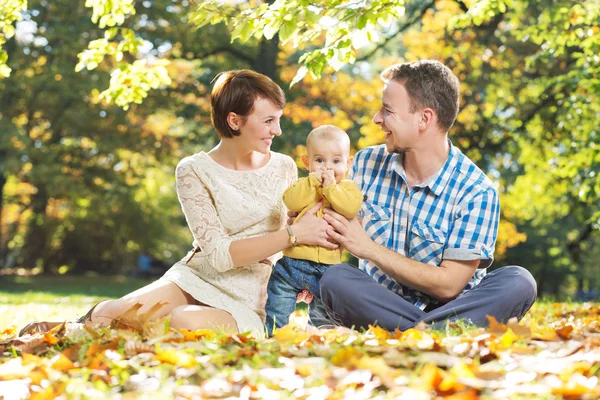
87 158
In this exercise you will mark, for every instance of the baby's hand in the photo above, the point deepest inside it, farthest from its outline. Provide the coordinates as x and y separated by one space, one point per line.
318 174
328 178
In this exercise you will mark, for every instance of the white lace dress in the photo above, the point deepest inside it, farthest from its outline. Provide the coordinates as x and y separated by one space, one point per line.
222 205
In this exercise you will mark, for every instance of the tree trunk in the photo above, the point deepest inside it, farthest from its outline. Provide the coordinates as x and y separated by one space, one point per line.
575 249
2 183
37 235
266 61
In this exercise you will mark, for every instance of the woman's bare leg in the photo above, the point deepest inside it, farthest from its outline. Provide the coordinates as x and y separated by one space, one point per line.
194 317
159 291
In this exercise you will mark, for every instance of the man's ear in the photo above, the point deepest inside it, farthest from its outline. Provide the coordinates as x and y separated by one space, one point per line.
428 117
234 121
305 161
348 166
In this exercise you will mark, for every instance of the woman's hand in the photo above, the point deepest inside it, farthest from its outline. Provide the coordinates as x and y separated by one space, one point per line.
312 230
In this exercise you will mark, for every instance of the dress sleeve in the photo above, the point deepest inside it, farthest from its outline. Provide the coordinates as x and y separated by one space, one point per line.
345 198
201 215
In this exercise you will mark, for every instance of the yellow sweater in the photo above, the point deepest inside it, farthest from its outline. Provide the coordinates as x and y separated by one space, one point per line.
344 198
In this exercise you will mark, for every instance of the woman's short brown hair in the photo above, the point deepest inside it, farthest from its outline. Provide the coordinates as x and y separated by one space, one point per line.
236 91
429 84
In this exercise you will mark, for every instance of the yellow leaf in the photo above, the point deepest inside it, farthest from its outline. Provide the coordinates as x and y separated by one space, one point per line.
544 333
290 334
193 336
469 394
61 363
431 377
176 357
508 339
43 394
30 359
347 357
462 370
380 334
450 384
50 339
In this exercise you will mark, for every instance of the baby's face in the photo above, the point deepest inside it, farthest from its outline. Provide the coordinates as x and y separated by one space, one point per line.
330 155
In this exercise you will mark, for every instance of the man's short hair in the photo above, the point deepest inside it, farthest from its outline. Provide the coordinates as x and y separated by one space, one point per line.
236 91
429 84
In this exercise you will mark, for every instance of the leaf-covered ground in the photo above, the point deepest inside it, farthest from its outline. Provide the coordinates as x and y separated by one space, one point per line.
553 353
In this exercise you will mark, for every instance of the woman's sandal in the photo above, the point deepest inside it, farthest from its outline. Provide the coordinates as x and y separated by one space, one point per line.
45 326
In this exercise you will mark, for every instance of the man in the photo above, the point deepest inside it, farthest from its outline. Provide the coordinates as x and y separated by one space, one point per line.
429 220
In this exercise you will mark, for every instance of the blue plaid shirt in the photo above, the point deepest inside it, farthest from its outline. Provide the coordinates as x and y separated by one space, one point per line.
454 215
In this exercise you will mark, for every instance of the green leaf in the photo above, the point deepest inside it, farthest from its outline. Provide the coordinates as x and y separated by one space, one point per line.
287 30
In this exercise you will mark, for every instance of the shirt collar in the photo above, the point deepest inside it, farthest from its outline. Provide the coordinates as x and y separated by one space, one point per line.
438 181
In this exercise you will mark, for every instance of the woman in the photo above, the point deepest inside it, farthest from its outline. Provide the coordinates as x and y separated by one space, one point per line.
232 201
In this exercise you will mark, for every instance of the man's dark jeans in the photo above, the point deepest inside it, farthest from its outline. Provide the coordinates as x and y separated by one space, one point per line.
353 299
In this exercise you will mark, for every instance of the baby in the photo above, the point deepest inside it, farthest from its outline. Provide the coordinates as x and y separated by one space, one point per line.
302 266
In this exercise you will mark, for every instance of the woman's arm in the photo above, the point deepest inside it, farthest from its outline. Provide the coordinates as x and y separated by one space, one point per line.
217 249
308 230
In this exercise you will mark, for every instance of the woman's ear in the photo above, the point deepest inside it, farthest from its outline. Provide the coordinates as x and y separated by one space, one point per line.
234 121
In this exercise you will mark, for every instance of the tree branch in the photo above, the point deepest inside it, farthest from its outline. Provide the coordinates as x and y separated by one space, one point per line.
402 28
234 52
462 5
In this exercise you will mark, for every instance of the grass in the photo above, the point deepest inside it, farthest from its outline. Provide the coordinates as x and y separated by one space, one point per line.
27 298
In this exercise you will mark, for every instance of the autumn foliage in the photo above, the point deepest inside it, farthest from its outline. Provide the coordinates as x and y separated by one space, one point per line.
553 353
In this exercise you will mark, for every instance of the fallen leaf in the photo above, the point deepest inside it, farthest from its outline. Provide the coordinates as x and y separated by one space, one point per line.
564 332
176 357
290 334
495 327
61 363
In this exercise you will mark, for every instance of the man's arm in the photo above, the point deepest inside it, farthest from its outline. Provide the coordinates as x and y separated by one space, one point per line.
443 283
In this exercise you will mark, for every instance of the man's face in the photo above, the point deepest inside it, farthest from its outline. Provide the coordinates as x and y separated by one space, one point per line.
395 119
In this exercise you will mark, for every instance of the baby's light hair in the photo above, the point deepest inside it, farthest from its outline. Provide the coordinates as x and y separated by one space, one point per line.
328 132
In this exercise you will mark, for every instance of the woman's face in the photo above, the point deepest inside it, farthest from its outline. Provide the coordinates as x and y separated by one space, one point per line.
261 126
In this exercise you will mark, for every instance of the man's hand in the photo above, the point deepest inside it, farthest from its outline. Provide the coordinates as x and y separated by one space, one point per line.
349 234
328 178
312 230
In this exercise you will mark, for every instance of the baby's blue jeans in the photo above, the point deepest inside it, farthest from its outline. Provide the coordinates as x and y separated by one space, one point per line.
289 277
